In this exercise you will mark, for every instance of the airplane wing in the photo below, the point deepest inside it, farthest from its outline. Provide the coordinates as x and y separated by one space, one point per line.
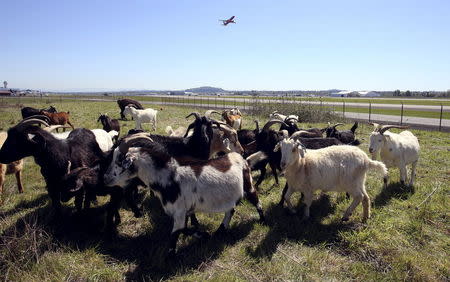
230 19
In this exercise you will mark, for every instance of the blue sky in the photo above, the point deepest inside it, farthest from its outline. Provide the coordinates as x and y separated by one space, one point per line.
275 45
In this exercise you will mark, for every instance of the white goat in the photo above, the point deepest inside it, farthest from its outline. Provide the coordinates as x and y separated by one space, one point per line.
336 168
142 116
179 132
278 116
185 186
396 150
103 138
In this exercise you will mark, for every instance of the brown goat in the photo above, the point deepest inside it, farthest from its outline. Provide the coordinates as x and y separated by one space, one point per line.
14 167
60 118
233 118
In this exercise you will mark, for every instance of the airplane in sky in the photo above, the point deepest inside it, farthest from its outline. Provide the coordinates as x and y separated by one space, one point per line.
230 20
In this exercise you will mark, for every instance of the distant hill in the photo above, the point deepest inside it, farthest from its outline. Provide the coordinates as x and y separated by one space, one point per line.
205 89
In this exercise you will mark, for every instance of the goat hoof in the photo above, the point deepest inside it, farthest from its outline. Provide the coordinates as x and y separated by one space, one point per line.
345 218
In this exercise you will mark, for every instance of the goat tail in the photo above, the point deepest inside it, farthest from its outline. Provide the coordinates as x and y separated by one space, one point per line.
169 129
354 127
377 165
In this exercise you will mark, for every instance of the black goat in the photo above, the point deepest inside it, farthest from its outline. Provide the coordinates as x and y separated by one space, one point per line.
346 136
109 123
290 124
80 148
128 102
266 139
29 111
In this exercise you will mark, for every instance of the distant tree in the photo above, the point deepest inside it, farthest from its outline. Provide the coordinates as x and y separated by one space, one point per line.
408 93
397 93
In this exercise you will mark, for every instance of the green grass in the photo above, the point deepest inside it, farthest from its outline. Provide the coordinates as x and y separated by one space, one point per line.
399 242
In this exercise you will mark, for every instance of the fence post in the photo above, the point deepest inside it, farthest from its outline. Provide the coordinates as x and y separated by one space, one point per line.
343 109
370 110
401 116
440 118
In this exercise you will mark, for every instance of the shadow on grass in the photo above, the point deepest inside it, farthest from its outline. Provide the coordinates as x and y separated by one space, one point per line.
147 251
393 190
38 201
291 227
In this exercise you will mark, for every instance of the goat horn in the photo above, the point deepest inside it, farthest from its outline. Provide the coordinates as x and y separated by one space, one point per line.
197 115
223 126
209 112
274 112
125 145
24 123
298 134
256 125
386 127
272 122
337 124
41 117
288 119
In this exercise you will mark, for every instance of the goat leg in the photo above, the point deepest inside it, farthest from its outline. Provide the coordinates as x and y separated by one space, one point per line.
283 194
225 222
19 181
273 167
130 199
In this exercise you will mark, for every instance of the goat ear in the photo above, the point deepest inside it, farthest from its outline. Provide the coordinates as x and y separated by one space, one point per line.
78 185
226 142
31 137
35 138
301 151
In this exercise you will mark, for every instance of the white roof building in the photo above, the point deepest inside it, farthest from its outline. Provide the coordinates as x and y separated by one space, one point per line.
347 93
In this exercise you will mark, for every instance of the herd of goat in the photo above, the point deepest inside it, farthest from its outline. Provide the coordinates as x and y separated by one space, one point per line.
205 167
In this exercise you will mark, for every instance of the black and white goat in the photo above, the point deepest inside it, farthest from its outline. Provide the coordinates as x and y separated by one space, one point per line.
208 138
184 186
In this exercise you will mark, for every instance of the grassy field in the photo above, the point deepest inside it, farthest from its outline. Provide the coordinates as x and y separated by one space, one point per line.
407 237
